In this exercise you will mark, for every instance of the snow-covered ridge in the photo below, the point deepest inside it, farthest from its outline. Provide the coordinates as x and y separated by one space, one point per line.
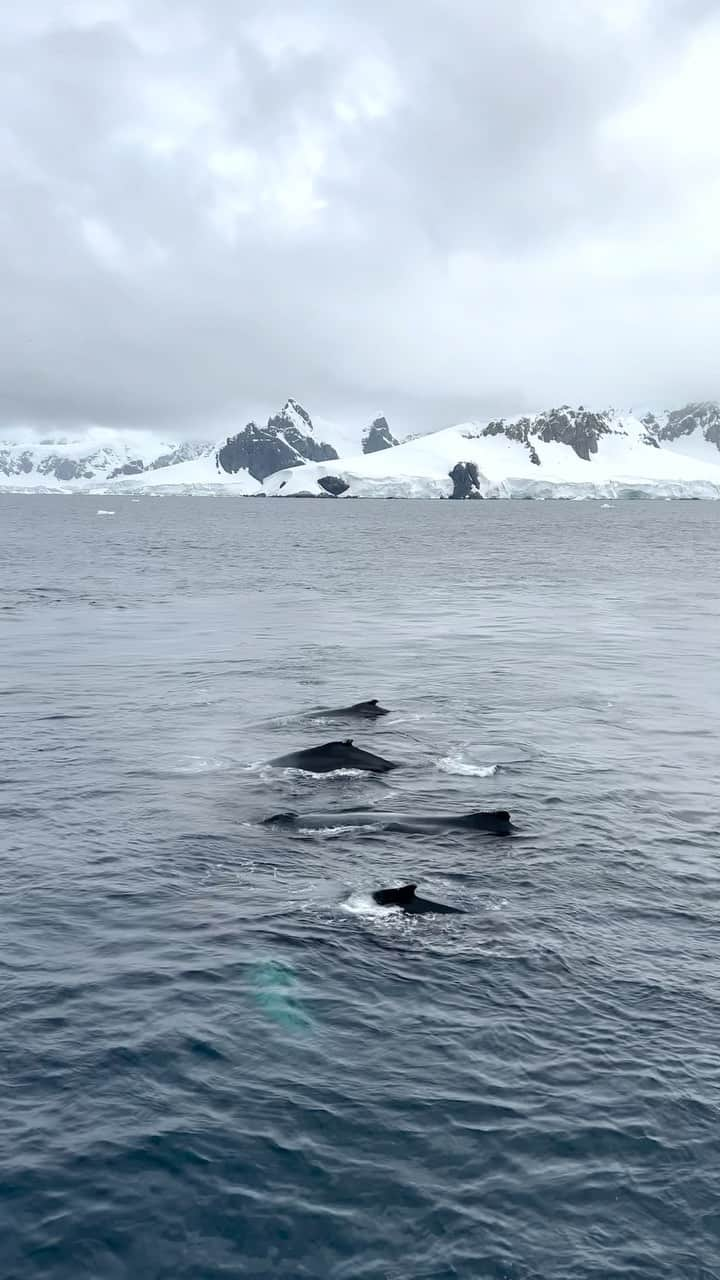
75 460
99 459
559 453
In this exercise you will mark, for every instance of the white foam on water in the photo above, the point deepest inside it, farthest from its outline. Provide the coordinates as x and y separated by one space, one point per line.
290 772
348 829
363 904
458 765
101 512
200 764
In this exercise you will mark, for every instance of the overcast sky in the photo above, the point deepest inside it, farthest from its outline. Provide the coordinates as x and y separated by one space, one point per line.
432 208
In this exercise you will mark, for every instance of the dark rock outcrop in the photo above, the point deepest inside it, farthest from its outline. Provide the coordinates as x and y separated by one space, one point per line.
378 437
133 468
264 450
257 450
184 452
466 480
703 417
291 412
310 450
66 468
579 428
13 463
333 485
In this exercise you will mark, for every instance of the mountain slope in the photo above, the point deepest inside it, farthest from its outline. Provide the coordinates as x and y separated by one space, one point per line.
288 440
693 430
196 475
562 453
101 460
63 463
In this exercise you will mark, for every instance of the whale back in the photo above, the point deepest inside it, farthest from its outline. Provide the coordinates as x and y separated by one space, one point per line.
334 755
497 820
351 757
395 897
370 709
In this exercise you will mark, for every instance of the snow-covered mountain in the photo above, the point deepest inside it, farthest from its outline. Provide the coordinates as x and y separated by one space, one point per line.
561 453
288 440
80 460
693 430
100 460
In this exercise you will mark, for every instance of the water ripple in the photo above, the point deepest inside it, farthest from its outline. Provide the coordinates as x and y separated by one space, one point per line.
220 1057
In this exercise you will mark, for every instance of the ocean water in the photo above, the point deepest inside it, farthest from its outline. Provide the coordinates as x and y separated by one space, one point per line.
217 1058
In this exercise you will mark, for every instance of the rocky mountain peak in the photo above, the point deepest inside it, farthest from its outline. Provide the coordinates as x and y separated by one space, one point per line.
293 415
378 436
286 441
704 417
580 429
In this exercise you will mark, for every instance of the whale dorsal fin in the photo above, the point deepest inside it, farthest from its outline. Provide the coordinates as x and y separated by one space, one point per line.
390 897
406 893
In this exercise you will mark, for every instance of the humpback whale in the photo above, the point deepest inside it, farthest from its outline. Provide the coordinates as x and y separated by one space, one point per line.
369 710
496 822
331 756
405 899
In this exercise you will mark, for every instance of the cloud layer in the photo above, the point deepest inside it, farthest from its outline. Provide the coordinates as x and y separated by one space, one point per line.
438 208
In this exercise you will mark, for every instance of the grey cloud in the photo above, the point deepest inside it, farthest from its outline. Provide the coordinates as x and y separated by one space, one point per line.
147 275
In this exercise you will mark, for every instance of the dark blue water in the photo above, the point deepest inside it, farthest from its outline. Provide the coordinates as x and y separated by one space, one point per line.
217 1058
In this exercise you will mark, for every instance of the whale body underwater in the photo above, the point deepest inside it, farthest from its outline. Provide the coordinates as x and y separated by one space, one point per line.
331 756
496 822
406 898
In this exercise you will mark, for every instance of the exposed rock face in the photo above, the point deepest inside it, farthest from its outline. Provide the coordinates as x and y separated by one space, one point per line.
285 442
466 480
294 413
66 468
333 485
132 468
310 450
378 437
703 417
579 428
184 452
257 450
13 463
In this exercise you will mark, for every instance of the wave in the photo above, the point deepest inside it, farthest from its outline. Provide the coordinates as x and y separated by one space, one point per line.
464 768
